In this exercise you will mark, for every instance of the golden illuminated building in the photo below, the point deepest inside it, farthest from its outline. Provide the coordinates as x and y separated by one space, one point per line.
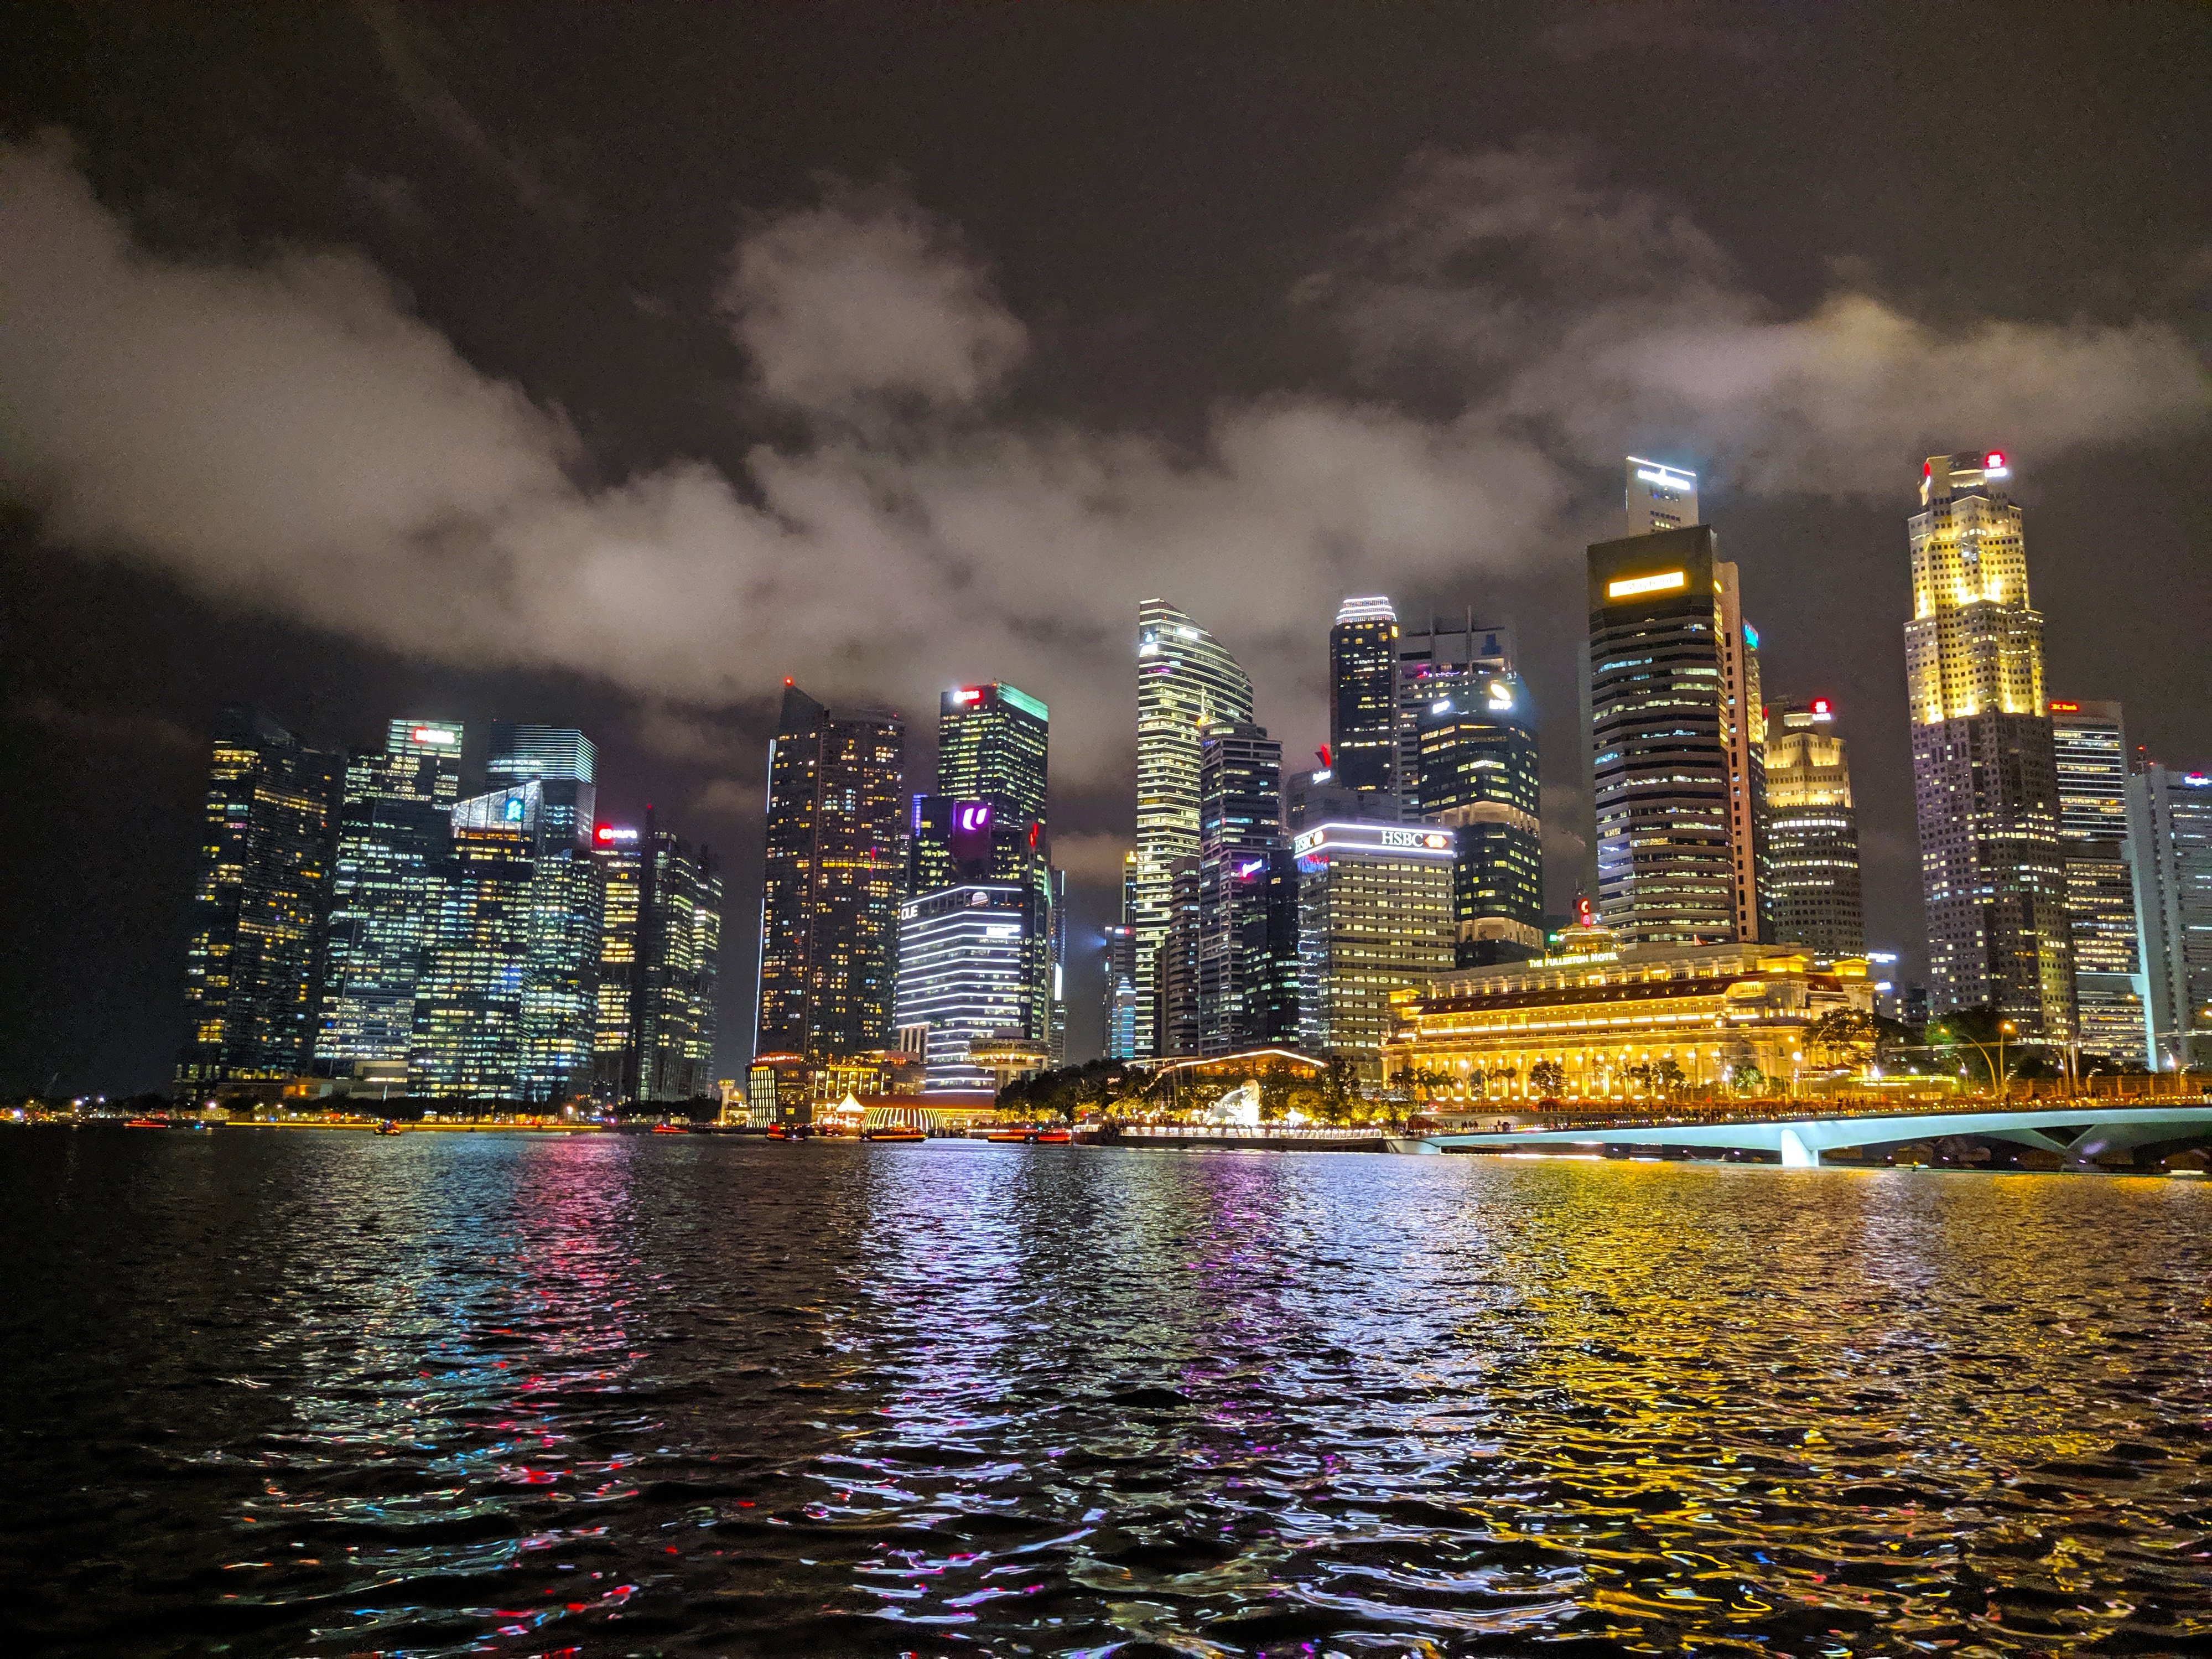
1985 785
1604 1012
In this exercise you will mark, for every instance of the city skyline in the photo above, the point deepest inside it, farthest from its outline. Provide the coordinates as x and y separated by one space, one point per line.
1298 403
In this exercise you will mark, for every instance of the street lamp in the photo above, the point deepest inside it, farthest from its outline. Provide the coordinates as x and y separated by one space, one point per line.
2005 1029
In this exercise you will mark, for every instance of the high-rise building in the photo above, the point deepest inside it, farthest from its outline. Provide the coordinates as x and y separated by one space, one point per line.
1984 781
2089 755
1363 688
1120 992
2170 816
253 968
469 1040
1660 497
679 947
1812 831
964 977
394 829
992 743
1056 1027
1449 649
1185 681
559 998
1247 925
987 821
1375 915
618 850
659 965
1477 772
1676 734
829 938
1175 968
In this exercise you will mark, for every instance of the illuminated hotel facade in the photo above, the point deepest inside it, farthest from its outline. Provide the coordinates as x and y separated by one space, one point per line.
1186 682
1984 778
1376 915
1604 1012
1677 743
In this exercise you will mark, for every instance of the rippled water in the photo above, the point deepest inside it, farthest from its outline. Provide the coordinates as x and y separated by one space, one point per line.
323 1393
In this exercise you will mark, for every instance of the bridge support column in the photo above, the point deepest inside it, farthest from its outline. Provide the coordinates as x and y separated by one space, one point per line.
1796 1154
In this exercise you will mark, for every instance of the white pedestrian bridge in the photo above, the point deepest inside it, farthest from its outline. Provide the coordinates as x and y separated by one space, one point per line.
2079 1134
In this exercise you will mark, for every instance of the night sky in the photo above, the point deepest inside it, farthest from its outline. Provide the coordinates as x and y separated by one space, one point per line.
603 366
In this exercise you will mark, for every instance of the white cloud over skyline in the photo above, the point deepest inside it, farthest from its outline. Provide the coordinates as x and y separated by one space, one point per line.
290 435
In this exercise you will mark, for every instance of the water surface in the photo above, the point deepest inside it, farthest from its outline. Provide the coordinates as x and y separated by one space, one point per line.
303 1392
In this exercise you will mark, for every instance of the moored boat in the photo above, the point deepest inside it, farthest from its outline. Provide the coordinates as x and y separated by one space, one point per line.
897 1131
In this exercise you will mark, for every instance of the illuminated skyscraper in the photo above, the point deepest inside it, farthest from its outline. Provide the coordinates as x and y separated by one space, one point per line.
1984 781
2170 814
1477 772
559 992
2089 751
253 968
1055 1032
987 821
991 745
829 939
1375 915
1246 924
659 965
395 828
469 1040
1660 497
1676 736
1120 992
1363 687
678 979
1812 831
1185 683
1449 649
964 976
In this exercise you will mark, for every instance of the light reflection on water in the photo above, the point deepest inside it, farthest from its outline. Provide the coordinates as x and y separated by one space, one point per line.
321 1393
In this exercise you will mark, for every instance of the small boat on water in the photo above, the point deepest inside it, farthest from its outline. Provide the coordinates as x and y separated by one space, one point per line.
1053 1138
387 1127
898 1132
1029 1134
672 1128
147 1123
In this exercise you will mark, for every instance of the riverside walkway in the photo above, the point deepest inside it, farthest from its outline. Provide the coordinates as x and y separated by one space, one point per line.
2079 1132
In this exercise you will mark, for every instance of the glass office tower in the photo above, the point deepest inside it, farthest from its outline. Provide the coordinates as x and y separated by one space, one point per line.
469 1040
2089 753
963 976
1477 775
395 829
1247 927
1375 915
1675 737
1450 648
1362 686
253 967
1185 681
2170 816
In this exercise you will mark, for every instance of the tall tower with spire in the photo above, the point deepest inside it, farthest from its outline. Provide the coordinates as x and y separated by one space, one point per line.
1984 781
